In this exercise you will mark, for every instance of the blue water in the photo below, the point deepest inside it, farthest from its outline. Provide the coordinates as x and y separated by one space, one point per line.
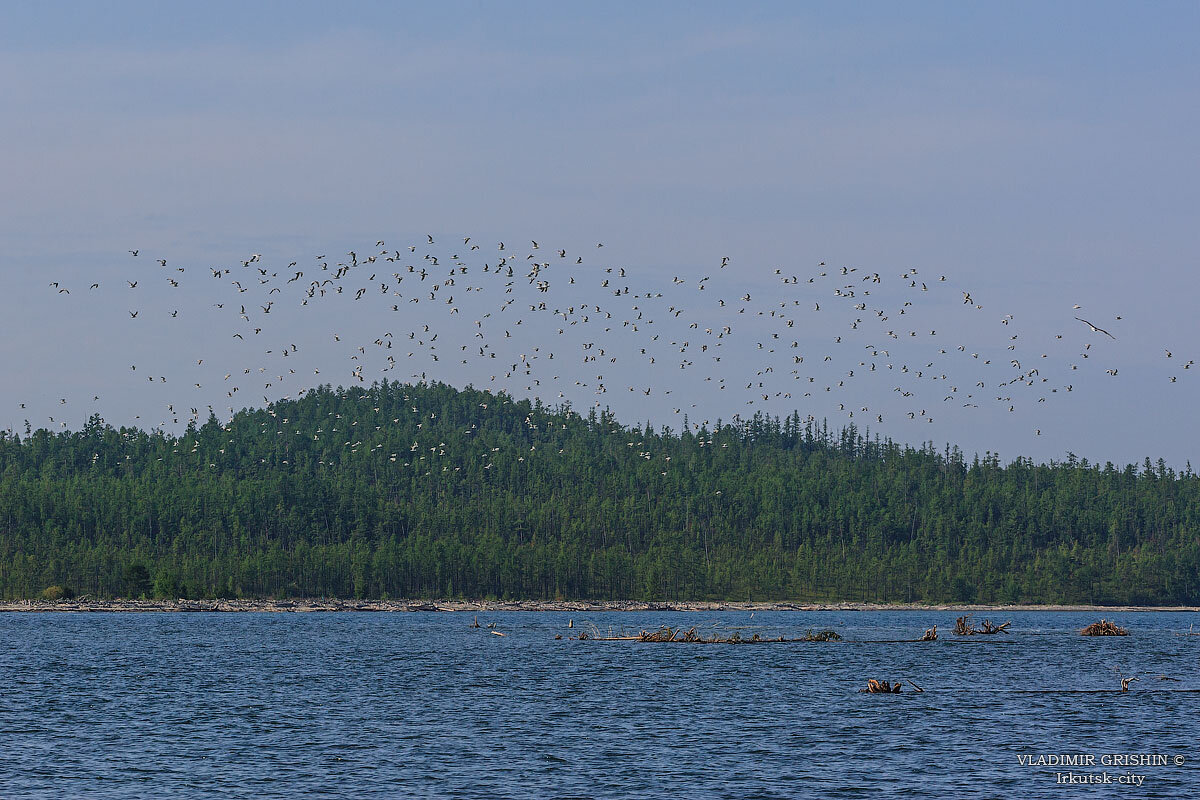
420 705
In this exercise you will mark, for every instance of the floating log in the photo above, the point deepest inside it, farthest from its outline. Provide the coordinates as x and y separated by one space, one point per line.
929 636
669 635
585 637
1104 628
1125 683
881 687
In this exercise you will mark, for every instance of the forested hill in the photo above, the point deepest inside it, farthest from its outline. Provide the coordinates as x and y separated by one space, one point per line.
404 491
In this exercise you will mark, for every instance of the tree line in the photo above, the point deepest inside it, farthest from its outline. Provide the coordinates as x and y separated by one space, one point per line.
430 491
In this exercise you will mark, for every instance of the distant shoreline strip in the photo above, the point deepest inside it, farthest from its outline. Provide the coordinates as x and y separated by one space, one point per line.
564 606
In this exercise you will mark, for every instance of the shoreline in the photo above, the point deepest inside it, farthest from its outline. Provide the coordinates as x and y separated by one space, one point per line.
309 605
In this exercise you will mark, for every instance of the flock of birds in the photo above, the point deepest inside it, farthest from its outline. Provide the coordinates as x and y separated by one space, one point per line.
568 326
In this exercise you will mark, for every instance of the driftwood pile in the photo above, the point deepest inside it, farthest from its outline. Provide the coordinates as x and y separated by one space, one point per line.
964 627
1104 628
929 635
669 634
881 687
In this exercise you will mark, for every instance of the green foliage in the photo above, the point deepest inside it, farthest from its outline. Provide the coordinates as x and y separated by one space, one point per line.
429 491
136 580
167 586
56 593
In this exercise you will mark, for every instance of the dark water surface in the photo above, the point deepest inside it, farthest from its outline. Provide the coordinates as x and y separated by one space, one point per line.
420 705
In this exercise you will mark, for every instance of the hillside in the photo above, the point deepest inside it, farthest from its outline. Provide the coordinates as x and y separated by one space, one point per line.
425 490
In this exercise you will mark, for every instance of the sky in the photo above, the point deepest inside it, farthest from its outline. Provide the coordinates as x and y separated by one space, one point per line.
1041 157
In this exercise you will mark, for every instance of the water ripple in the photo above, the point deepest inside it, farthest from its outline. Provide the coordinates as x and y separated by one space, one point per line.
419 705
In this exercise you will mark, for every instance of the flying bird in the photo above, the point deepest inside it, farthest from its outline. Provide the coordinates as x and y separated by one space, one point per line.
1095 329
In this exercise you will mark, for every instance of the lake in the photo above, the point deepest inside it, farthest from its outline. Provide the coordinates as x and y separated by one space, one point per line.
128 705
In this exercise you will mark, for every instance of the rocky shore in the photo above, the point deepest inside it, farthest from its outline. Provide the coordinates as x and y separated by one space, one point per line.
88 605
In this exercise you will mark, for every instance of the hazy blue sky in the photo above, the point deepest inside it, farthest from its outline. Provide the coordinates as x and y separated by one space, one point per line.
1041 156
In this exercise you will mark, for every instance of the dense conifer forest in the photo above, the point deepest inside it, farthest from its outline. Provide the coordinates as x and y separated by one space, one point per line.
425 490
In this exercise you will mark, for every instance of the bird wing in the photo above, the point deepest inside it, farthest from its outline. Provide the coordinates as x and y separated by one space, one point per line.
1094 328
